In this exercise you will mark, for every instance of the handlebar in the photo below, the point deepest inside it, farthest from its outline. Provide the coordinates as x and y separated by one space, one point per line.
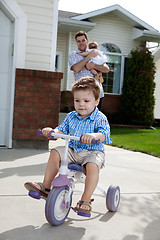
52 134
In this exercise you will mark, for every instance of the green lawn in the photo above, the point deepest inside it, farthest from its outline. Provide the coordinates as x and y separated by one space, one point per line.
141 140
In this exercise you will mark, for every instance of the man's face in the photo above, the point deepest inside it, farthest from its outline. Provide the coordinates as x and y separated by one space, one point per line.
81 43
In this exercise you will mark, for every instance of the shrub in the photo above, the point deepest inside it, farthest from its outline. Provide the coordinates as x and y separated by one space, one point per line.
138 88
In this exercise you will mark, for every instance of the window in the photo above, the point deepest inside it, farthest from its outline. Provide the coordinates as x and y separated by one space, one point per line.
112 81
58 62
109 47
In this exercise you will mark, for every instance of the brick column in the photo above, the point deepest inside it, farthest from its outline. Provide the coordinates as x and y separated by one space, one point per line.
36 105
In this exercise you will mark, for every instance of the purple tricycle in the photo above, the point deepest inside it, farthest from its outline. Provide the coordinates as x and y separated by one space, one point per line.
59 200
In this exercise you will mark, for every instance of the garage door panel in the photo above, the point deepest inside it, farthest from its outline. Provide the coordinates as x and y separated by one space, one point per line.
4 24
5 63
5 54
3 127
3 91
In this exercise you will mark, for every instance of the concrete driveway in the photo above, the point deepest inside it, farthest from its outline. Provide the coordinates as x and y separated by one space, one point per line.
138 216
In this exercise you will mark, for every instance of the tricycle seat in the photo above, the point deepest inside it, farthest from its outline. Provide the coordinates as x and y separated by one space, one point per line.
76 167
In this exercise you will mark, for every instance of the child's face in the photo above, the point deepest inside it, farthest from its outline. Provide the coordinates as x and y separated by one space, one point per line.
84 102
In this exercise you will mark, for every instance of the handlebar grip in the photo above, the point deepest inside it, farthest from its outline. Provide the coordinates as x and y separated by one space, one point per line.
39 132
95 141
50 134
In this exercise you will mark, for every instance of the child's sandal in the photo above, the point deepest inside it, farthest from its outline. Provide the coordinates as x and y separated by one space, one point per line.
41 190
101 80
83 212
96 76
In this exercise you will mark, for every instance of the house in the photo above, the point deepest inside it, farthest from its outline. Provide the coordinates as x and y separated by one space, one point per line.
34 45
117 32
157 82
29 85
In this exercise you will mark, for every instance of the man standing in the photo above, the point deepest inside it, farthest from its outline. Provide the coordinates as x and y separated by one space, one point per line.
81 65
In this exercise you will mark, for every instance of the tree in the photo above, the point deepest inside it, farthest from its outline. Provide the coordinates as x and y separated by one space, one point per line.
138 88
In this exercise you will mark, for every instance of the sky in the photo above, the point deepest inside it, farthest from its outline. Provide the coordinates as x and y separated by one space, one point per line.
147 11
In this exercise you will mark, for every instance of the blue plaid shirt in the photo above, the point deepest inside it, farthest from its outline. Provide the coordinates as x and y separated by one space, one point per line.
74 58
75 125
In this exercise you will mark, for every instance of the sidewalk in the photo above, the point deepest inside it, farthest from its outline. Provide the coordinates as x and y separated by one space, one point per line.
138 216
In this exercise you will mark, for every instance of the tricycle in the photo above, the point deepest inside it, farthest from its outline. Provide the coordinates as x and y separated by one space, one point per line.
59 200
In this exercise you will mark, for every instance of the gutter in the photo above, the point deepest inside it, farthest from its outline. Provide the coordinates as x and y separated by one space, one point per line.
69 25
153 36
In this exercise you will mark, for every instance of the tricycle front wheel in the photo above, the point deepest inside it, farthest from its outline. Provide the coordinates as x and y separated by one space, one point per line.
57 206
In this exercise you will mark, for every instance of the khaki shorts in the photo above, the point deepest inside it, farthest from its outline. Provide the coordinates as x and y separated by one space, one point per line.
82 157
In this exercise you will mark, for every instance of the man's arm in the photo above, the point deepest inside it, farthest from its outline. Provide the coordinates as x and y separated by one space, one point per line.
100 68
80 65
84 54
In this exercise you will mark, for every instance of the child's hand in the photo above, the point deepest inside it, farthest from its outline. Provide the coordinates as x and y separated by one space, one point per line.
87 138
46 131
93 54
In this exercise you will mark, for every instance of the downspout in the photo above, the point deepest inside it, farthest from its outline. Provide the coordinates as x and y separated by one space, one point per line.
122 73
69 50
54 35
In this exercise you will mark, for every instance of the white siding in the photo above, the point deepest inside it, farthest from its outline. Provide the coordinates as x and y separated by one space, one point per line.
157 91
39 32
111 29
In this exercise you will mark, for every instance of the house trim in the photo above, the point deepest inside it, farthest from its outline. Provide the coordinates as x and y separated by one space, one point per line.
54 35
68 67
156 54
145 35
118 11
66 25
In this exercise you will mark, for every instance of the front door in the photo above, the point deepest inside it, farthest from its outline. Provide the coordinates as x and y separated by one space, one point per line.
6 28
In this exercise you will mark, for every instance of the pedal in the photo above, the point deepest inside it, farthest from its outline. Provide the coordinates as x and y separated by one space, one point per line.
34 194
84 214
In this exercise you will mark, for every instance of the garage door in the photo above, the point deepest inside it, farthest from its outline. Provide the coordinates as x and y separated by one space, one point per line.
5 66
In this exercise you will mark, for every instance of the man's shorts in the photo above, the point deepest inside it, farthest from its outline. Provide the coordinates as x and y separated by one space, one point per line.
82 157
